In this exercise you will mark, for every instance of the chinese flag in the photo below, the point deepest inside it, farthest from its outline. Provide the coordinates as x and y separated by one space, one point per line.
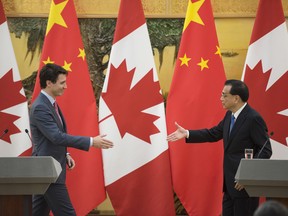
63 46
194 103
131 112
14 119
265 72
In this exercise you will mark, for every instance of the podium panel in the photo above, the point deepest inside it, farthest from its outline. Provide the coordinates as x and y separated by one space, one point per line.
27 175
20 177
263 177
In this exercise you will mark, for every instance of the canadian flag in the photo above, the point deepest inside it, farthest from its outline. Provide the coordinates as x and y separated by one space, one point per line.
131 111
265 72
14 118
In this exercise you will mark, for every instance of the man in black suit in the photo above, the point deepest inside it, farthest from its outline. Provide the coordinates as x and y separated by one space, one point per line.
48 130
249 131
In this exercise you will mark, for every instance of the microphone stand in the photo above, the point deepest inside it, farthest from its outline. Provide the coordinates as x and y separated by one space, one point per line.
4 132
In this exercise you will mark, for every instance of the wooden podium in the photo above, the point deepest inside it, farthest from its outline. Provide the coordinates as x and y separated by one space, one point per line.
20 177
264 177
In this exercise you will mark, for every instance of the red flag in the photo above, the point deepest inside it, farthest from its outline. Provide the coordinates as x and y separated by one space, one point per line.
14 117
194 103
131 112
265 72
63 46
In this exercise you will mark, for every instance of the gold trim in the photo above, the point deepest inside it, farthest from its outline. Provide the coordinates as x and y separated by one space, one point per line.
152 8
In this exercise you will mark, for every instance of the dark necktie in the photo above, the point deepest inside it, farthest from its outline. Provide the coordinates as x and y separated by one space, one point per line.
232 122
57 111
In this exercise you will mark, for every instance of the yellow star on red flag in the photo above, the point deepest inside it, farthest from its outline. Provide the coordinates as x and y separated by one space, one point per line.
48 61
55 16
82 54
218 52
203 64
67 66
192 13
184 60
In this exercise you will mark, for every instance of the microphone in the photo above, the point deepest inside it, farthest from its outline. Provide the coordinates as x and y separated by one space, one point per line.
4 132
271 134
27 132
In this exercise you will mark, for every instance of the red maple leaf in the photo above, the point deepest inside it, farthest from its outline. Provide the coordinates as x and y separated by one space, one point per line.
269 102
127 104
10 96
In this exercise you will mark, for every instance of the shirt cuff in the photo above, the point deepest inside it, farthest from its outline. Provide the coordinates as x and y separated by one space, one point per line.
187 136
91 141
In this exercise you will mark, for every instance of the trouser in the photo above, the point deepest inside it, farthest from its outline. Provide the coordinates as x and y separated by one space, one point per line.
56 199
239 206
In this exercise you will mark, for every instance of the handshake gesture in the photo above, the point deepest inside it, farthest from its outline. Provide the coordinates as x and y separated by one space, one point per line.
179 133
100 142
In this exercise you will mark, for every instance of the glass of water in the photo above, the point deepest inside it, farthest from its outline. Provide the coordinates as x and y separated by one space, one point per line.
248 153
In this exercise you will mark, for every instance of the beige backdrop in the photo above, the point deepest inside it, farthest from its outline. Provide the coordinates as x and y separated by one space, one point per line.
234 22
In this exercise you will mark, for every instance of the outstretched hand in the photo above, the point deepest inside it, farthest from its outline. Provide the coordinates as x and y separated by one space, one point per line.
179 133
101 142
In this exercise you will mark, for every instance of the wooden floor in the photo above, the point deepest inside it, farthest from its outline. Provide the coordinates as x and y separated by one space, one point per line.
101 213
111 213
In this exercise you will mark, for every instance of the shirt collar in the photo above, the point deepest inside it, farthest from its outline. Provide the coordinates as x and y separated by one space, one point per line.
51 99
237 113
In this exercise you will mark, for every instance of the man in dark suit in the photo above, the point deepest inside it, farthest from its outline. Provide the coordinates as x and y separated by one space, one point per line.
248 131
48 130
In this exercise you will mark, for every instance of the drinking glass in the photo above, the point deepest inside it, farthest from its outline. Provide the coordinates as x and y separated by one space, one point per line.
248 153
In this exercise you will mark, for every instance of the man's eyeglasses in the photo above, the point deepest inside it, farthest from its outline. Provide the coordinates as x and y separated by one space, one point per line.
224 95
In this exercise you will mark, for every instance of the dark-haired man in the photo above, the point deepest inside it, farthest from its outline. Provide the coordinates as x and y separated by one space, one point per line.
48 130
242 127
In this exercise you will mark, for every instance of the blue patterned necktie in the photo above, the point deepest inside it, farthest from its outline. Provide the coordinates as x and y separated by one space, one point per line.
232 122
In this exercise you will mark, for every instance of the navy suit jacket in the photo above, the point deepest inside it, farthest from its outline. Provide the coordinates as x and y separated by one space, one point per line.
49 135
249 131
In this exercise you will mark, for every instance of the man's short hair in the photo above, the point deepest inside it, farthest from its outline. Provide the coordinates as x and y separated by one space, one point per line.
50 72
271 208
238 88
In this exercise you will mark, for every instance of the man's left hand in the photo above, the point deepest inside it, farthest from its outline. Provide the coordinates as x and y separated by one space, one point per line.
238 186
70 162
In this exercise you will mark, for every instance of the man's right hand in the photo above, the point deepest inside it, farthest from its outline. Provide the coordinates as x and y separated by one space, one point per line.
100 142
180 133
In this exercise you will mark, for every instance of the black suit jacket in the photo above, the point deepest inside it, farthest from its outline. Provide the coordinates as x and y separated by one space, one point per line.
249 131
49 135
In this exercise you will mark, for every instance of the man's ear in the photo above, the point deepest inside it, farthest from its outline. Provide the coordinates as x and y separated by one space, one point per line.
48 82
237 97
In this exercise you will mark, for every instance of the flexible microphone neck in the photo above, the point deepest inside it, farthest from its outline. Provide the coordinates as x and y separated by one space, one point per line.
4 132
27 132
268 138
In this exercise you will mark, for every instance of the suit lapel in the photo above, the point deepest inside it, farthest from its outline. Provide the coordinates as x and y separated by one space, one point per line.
238 124
226 129
53 111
